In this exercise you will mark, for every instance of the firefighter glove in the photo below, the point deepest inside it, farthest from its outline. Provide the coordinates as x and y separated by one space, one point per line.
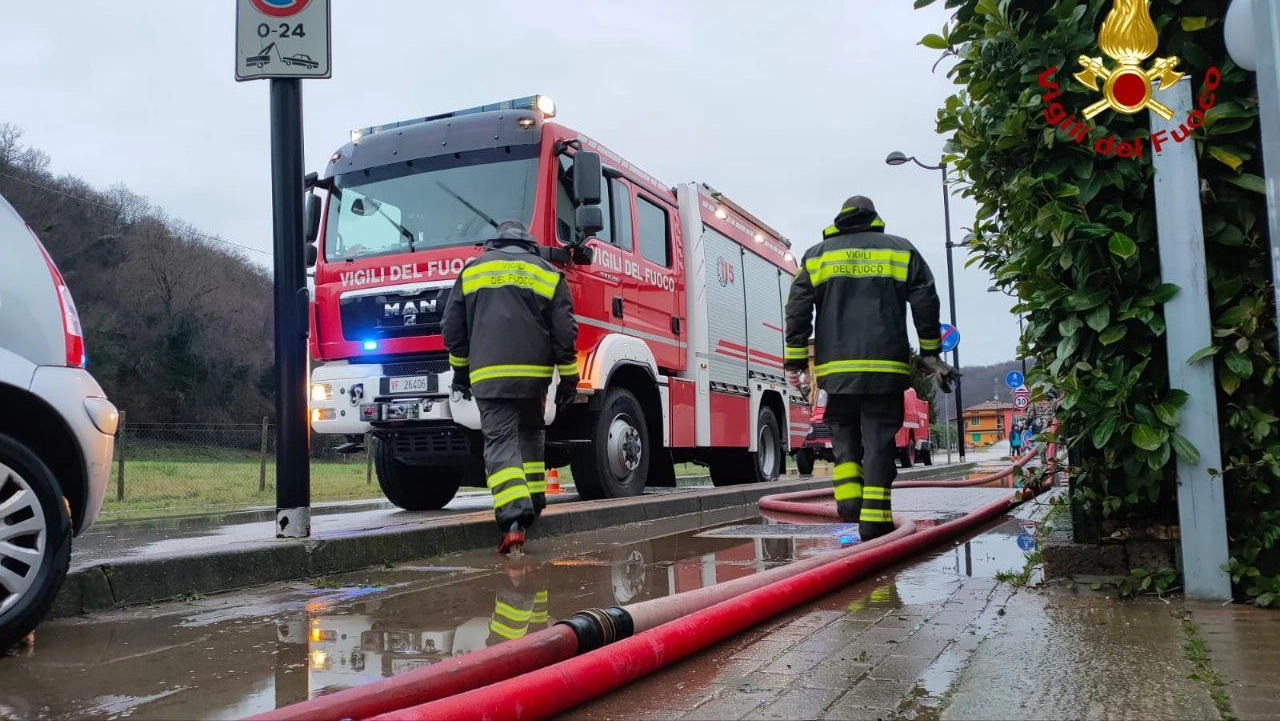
566 390
940 370
461 385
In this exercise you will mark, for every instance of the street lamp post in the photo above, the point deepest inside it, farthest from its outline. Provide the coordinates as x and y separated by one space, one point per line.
898 158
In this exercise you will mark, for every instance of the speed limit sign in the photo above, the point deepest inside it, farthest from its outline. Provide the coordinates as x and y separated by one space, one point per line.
1021 399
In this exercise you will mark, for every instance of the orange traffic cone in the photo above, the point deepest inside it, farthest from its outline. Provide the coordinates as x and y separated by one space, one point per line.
553 480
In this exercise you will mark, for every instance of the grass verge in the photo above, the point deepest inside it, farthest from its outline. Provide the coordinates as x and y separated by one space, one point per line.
1198 654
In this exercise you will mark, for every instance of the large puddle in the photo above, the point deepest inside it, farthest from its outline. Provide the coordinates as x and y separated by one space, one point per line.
237 654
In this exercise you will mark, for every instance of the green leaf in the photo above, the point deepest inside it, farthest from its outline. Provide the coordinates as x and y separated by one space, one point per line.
1192 24
1102 434
1168 414
1185 450
1099 317
1248 181
1087 299
1230 159
1203 353
1164 292
1239 364
1177 397
1113 334
1146 437
1122 245
933 41
1067 347
1070 326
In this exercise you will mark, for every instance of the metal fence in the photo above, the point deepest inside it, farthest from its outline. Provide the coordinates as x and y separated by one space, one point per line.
166 468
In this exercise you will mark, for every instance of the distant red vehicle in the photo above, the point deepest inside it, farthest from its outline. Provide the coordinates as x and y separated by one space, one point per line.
912 440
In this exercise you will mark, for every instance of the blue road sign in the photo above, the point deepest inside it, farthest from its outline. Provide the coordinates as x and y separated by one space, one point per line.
950 337
1013 379
1026 542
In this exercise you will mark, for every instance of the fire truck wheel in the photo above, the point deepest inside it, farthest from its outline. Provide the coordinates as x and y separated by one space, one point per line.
804 462
616 463
767 460
415 488
908 455
926 454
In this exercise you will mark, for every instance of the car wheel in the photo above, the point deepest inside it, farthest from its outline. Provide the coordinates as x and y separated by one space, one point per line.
35 540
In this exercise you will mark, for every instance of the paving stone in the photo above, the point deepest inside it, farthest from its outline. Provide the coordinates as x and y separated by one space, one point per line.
793 663
799 703
872 696
901 668
835 674
727 705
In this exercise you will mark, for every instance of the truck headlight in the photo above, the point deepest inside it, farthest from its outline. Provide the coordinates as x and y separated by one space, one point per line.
321 392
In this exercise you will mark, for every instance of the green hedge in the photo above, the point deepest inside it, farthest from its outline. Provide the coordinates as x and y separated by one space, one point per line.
1074 234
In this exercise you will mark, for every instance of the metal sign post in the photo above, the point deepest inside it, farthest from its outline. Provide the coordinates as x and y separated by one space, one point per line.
285 40
1266 17
1180 227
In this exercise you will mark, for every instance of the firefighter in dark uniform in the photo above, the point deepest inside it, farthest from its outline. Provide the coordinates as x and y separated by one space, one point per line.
509 327
861 279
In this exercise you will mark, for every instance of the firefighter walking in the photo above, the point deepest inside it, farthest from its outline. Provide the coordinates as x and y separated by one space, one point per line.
509 328
860 280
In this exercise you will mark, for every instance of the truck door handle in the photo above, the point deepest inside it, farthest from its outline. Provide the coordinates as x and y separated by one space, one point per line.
675 325
617 307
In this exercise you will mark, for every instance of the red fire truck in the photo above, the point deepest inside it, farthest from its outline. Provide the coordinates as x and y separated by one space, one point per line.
912 441
678 293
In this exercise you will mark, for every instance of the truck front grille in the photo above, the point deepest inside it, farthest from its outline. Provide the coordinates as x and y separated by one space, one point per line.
417 367
433 444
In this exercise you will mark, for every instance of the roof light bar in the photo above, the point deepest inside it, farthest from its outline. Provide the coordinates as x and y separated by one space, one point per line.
544 106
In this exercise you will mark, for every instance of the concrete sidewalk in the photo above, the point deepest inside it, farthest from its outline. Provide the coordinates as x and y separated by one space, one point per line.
140 563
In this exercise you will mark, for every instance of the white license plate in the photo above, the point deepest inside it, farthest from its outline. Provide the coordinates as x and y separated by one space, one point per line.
412 384
399 666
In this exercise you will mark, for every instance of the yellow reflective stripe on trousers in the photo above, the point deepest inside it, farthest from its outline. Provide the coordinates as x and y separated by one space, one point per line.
514 493
846 470
876 515
875 493
848 491
535 467
858 263
930 343
860 366
568 369
457 361
797 353
504 273
537 486
489 373
504 475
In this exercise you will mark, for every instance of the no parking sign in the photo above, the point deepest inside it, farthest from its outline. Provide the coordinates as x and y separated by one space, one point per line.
282 39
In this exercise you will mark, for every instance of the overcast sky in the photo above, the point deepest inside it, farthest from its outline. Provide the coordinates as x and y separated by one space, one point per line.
787 111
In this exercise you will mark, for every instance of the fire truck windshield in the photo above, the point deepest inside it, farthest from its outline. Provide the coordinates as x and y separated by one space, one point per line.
429 203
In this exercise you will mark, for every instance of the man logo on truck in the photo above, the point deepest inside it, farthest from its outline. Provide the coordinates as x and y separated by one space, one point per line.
390 310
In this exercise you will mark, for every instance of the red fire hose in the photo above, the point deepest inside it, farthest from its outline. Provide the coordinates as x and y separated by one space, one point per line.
562 686
482 683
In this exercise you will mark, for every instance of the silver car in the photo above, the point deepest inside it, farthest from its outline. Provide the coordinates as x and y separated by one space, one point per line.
57 430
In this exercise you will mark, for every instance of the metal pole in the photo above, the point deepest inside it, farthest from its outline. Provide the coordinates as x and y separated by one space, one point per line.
262 456
293 479
951 298
1180 230
1021 357
1266 24
946 427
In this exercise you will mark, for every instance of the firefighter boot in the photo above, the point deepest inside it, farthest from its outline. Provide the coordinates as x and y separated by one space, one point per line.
868 530
539 503
849 509
513 540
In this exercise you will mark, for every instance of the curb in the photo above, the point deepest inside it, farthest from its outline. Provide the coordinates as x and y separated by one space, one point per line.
158 578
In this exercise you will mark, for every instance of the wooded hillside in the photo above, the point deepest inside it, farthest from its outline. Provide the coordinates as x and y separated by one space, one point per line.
177 324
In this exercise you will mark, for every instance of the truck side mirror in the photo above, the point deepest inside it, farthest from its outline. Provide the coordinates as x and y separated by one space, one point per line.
586 178
312 217
589 219
313 254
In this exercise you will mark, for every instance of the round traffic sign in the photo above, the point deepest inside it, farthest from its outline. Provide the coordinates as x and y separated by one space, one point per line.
950 337
1013 379
280 8
1026 542
1021 401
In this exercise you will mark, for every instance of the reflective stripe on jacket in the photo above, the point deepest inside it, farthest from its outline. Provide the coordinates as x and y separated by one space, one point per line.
860 281
509 321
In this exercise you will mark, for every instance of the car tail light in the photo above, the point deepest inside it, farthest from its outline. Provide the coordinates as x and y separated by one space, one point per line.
72 333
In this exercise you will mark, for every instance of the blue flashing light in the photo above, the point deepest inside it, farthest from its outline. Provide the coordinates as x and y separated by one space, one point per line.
371 345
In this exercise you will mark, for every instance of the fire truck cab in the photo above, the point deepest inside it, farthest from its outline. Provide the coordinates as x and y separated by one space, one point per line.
678 294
